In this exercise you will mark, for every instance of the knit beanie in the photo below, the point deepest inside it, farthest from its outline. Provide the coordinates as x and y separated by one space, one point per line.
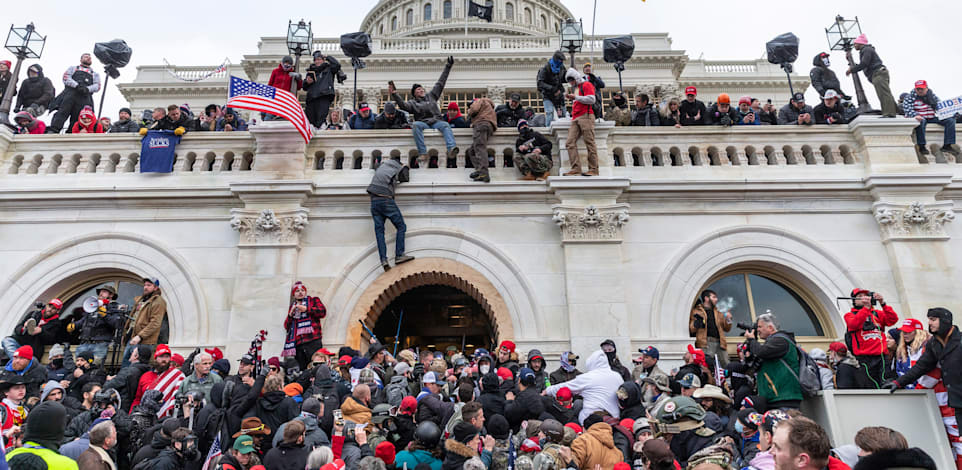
498 427
26 461
464 432
46 424
386 452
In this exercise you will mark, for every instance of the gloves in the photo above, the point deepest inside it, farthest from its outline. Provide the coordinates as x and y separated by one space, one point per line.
891 386
341 76
142 131
180 131
699 323
294 75
450 60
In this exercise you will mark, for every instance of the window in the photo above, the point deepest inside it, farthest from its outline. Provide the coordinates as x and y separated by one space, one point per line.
748 294
447 9
509 11
427 12
127 287
409 17
527 16
393 23
380 29
544 22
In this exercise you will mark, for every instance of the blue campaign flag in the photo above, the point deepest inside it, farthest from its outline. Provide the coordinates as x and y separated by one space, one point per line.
157 152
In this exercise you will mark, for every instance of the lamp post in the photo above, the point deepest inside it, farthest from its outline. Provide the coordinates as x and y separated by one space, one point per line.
841 36
25 43
299 41
572 37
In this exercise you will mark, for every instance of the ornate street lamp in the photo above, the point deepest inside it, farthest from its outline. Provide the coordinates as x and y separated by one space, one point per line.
25 43
841 36
572 37
299 41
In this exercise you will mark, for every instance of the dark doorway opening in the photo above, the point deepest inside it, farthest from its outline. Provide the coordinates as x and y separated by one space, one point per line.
435 317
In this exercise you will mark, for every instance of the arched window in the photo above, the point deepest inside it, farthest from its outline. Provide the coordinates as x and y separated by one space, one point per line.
409 17
544 22
557 27
527 16
509 11
748 294
447 9
127 286
427 12
380 29
393 23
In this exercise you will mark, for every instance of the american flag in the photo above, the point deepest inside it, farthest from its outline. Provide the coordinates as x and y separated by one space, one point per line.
168 383
253 96
213 453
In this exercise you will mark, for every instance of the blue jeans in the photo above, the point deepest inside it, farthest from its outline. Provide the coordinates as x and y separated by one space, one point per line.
99 350
948 124
419 127
381 209
549 112
10 346
127 350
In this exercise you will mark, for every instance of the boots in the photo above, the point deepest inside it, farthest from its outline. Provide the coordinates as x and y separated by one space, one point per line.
528 177
923 150
402 259
951 150
573 173
590 173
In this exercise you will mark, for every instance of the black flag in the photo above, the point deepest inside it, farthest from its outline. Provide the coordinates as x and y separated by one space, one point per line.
481 11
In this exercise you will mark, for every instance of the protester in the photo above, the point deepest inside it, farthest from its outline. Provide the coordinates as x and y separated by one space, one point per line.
27 124
303 325
823 78
619 111
866 326
290 453
103 437
708 326
39 329
801 444
599 84
721 113
80 83
200 380
796 112
846 366
567 368
883 448
693 111
921 104
830 111
386 177
644 113
426 114
746 115
230 122
5 76
510 113
149 310
284 76
391 118
42 436
453 116
175 120
769 116
24 368
877 74
182 449
319 85
533 159
128 377
483 125
778 373
335 123
124 123
611 351
597 386
87 123
582 124
36 92
551 80
670 113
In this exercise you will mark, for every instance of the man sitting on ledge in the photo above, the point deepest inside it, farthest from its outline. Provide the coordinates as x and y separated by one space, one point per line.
426 113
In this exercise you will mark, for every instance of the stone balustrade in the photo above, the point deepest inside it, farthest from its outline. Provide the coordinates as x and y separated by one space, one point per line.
623 151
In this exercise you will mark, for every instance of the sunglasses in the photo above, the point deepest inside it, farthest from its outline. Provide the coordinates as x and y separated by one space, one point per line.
273 369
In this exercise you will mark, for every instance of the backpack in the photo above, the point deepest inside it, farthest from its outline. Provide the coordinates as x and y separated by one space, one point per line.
146 464
397 390
808 375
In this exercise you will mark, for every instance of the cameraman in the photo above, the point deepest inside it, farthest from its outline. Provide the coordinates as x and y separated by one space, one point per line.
40 328
866 335
98 327
830 111
777 359
708 326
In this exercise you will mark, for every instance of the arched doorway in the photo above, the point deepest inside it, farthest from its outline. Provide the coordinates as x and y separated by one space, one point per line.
435 317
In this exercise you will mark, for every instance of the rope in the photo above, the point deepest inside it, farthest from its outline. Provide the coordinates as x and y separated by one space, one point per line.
222 67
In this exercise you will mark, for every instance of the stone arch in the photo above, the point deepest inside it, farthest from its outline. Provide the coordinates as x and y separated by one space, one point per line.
805 262
48 272
423 272
442 252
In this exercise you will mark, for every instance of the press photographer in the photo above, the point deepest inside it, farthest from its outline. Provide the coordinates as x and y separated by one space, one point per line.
865 337
778 364
41 327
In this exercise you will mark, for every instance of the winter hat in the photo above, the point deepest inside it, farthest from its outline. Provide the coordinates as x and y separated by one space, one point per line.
522 122
575 427
453 106
287 60
359 362
274 361
36 69
505 374
390 108
526 376
861 39
88 112
573 74
125 110
26 352
311 405
622 466
724 99
317 54
945 319
25 461
498 427
464 432
298 285
509 345
177 359
5 62
745 99
386 452
46 424
627 423
697 355
55 350
415 87
409 405
293 389
750 418
401 368
222 366
144 353
640 424
591 420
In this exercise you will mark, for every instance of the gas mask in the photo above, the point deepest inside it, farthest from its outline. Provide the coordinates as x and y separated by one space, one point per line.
826 61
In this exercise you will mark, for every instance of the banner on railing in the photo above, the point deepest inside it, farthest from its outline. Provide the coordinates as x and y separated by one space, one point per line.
157 151
203 76
949 108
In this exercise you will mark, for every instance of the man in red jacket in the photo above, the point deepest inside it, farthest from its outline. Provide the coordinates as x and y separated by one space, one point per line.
582 124
303 325
283 77
866 336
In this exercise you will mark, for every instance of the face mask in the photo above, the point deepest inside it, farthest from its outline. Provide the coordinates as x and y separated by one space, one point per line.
826 61
191 454
739 427
484 369
58 363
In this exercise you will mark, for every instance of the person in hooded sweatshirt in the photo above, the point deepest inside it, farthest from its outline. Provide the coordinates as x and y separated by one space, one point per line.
611 351
43 434
27 124
538 365
823 78
629 400
159 441
35 93
87 123
314 436
53 391
274 407
491 398
597 387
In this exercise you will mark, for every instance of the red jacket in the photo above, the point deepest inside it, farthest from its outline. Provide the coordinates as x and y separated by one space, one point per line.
871 342
579 109
836 464
315 312
280 78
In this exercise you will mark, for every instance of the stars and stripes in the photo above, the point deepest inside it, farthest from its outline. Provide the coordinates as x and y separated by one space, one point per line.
214 452
167 384
245 94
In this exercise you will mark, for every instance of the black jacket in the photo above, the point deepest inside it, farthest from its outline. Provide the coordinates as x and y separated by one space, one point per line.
81 424
549 83
168 459
688 111
716 117
400 121
287 457
241 402
526 405
34 376
868 62
535 140
456 454
50 332
93 374
508 117
554 410
94 327
631 406
822 113
158 443
167 124
823 78
128 125
274 409
324 76
948 355
432 408
913 458
492 399
35 90
561 376
647 116
126 381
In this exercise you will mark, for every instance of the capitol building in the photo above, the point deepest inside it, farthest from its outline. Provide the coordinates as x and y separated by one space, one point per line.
778 218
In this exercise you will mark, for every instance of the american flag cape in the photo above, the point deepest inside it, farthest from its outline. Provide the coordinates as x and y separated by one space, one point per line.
245 94
213 453
167 384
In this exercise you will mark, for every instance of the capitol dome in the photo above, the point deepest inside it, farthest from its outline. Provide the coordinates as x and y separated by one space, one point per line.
406 18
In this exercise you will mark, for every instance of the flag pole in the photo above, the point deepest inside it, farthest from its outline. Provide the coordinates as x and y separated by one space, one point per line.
594 14
466 17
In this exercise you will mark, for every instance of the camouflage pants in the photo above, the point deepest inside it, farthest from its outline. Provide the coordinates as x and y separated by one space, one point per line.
533 163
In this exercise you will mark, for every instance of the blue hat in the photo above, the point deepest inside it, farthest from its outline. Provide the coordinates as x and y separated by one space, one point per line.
650 351
526 376
690 381
359 362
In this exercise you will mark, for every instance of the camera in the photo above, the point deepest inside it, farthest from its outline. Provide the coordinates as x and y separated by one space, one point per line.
745 326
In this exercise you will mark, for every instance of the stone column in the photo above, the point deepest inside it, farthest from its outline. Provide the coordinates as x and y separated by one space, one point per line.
560 128
279 152
591 222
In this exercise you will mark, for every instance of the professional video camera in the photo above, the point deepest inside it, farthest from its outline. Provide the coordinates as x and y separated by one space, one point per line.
746 327
104 398
196 399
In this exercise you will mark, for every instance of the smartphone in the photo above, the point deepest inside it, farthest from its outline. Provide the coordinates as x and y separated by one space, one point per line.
338 418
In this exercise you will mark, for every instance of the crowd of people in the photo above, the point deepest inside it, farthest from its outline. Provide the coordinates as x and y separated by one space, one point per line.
311 408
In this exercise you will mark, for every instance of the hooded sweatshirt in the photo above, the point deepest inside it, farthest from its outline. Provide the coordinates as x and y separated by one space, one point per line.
31 126
35 90
597 387
93 128
823 78
584 95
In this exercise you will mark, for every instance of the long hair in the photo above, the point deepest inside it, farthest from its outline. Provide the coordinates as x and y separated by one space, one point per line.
666 109
902 350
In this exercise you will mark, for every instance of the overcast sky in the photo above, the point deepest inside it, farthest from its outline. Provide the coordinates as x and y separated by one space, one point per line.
909 37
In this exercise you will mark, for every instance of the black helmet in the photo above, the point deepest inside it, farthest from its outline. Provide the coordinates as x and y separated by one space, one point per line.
428 434
554 430
108 396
